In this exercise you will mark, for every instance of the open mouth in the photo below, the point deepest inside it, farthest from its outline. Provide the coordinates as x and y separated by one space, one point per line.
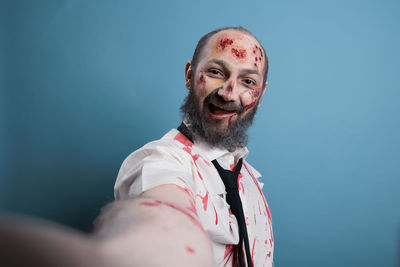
219 112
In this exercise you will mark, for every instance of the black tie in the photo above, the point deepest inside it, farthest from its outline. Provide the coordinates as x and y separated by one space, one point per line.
230 179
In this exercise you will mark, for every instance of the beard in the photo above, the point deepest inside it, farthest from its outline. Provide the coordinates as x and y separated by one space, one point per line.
233 137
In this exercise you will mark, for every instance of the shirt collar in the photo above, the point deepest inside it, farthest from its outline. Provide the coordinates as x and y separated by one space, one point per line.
213 152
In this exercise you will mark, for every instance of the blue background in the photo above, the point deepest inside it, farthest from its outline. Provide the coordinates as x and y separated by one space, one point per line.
84 83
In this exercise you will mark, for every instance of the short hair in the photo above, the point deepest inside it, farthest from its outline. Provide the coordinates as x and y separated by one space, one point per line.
203 41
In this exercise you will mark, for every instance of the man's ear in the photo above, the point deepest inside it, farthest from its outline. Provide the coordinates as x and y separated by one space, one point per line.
188 74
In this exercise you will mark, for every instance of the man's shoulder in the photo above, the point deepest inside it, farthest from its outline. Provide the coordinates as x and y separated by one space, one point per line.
168 144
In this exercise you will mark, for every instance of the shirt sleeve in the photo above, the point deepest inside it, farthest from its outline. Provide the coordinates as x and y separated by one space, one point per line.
155 164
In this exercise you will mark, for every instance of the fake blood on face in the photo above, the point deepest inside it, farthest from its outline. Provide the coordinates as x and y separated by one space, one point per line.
224 43
254 96
239 53
201 79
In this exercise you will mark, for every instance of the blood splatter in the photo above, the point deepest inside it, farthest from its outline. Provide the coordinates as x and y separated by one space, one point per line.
188 148
207 163
156 203
224 43
239 53
228 250
230 120
265 203
183 140
186 190
190 250
204 199
254 96
249 106
216 216
239 180
252 250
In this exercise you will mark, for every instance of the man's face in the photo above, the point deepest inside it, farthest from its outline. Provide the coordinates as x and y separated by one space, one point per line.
227 85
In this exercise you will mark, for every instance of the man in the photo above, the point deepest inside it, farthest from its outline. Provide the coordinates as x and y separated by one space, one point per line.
190 198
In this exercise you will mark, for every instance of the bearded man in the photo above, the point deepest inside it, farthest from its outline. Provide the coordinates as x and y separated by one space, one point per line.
190 198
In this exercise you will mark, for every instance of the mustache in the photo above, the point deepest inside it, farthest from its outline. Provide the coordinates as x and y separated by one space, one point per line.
219 101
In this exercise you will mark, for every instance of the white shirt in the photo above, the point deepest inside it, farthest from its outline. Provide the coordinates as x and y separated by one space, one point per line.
174 159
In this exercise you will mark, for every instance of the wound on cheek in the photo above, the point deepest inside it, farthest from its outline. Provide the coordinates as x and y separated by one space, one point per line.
254 96
256 93
249 106
201 80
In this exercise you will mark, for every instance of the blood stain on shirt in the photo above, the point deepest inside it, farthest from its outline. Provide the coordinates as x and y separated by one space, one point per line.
216 216
207 163
265 203
204 199
252 250
228 250
183 140
195 157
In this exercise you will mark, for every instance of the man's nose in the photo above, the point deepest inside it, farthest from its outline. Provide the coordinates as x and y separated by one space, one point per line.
228 91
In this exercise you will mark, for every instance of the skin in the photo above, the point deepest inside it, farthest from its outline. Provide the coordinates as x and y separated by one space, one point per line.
132 232
231 65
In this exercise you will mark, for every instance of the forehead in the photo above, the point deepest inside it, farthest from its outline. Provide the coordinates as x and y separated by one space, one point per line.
236 46
225 38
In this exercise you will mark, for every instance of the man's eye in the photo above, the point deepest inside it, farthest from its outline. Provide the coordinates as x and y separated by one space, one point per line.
215 72
249 82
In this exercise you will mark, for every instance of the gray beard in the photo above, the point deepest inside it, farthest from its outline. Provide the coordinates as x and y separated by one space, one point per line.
232 138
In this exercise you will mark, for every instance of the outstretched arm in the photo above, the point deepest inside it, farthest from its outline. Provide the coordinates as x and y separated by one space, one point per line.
158 228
